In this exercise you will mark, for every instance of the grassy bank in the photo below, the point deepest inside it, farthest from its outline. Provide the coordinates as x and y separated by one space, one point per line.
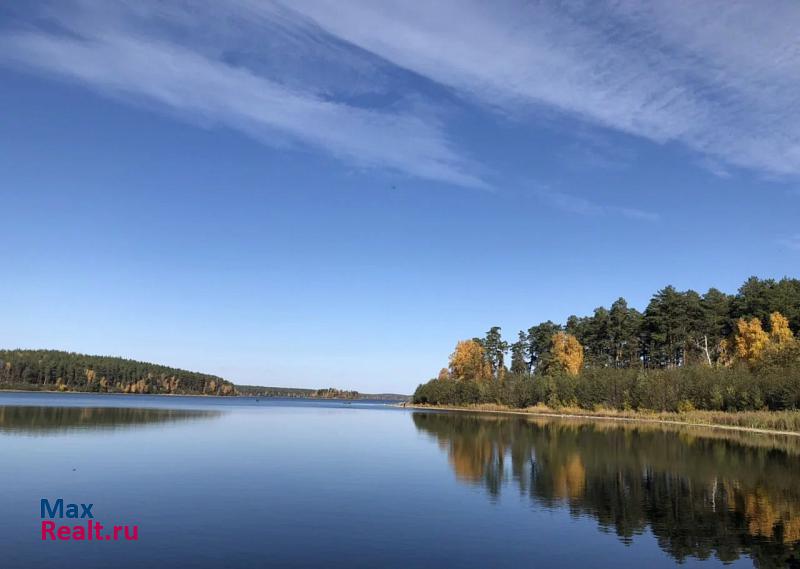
782 422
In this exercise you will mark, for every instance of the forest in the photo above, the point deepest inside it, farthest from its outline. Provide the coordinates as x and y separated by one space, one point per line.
51 370
307 393
296 392
685 351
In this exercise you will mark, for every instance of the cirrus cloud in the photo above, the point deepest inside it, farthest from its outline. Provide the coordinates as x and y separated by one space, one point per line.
721 78
132 52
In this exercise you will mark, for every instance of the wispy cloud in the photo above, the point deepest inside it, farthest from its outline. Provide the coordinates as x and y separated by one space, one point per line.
198 81
792 241
722 78
581 206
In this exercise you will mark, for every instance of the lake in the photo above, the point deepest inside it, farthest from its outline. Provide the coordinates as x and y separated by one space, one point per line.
243 483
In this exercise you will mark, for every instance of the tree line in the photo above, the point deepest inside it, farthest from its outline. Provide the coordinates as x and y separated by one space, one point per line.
297 392
53 370
686 350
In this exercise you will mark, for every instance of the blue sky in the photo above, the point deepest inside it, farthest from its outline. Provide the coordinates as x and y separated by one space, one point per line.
329 193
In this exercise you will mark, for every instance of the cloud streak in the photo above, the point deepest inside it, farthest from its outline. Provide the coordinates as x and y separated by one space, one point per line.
791 242
721 78
582 206
207 89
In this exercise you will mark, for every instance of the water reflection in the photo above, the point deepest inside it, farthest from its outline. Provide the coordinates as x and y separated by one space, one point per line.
701 492
32 420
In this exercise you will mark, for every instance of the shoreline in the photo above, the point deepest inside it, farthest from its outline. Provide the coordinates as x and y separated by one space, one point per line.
594 416
114 393
531 412
103 393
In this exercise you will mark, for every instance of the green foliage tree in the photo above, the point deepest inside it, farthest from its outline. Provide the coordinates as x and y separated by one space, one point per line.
624 326
519 351
539 340
716 323
667 357
671 324
495 350
758 298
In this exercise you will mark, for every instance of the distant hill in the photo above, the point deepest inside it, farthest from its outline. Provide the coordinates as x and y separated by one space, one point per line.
329 393
52 370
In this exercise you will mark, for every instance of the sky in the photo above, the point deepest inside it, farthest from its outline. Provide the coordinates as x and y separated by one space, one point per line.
323 193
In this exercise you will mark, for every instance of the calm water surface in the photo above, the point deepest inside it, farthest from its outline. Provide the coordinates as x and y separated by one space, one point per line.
241 483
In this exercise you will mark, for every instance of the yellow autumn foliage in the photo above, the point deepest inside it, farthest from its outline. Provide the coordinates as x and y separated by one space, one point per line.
727 351
751 341
780 335
468 362
567 351
569 480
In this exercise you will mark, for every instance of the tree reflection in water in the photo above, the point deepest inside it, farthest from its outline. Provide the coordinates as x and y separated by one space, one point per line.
44 420
701 492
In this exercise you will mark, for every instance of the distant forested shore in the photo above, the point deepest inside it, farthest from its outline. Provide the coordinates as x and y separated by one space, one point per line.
53 370
304 393
298 392
685 352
